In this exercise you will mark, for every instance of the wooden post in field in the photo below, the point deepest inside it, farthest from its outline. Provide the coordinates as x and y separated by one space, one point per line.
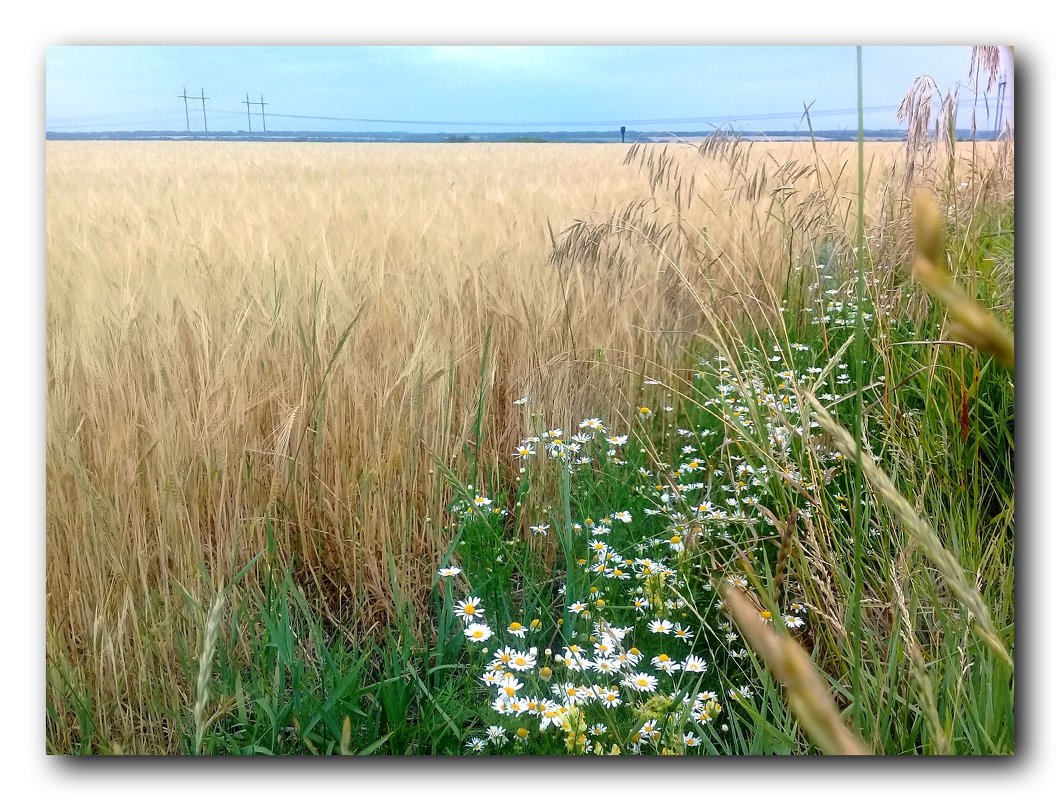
247 104
623 134
204 98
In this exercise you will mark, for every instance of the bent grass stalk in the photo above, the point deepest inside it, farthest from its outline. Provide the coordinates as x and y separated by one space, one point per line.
807 694
972 323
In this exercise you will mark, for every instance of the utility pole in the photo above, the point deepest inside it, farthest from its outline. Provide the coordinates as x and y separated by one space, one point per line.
1000 103
261 103
247 104
203 98
187 119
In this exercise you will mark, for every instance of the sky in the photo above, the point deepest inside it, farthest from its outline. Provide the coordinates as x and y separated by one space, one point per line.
424 89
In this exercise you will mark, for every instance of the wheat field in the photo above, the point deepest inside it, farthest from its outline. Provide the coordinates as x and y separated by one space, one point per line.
296 339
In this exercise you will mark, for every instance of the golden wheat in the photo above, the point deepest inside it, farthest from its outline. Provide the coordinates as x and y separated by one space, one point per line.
295 335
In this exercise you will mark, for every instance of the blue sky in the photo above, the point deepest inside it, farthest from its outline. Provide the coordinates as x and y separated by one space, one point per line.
463 88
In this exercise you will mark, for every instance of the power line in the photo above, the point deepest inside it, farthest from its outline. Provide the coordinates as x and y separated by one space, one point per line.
103 120
582 123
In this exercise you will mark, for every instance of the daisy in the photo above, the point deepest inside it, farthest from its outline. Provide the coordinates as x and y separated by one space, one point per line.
660 626
628 658
469 609
619 440
521 401
509 686
606 645
793 621
482 500
691 740
569 693
478 632
503 656
449 571
614 633
664 663
641 682
606 665
624 517
517 629
740 694
683 632
524 452
497 734
523 660
592 423
610 698
694 664
552 715
650 730
705 715
476 744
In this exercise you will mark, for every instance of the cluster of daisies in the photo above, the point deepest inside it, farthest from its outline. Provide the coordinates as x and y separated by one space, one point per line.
605 696
649 632
631 677
571 448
